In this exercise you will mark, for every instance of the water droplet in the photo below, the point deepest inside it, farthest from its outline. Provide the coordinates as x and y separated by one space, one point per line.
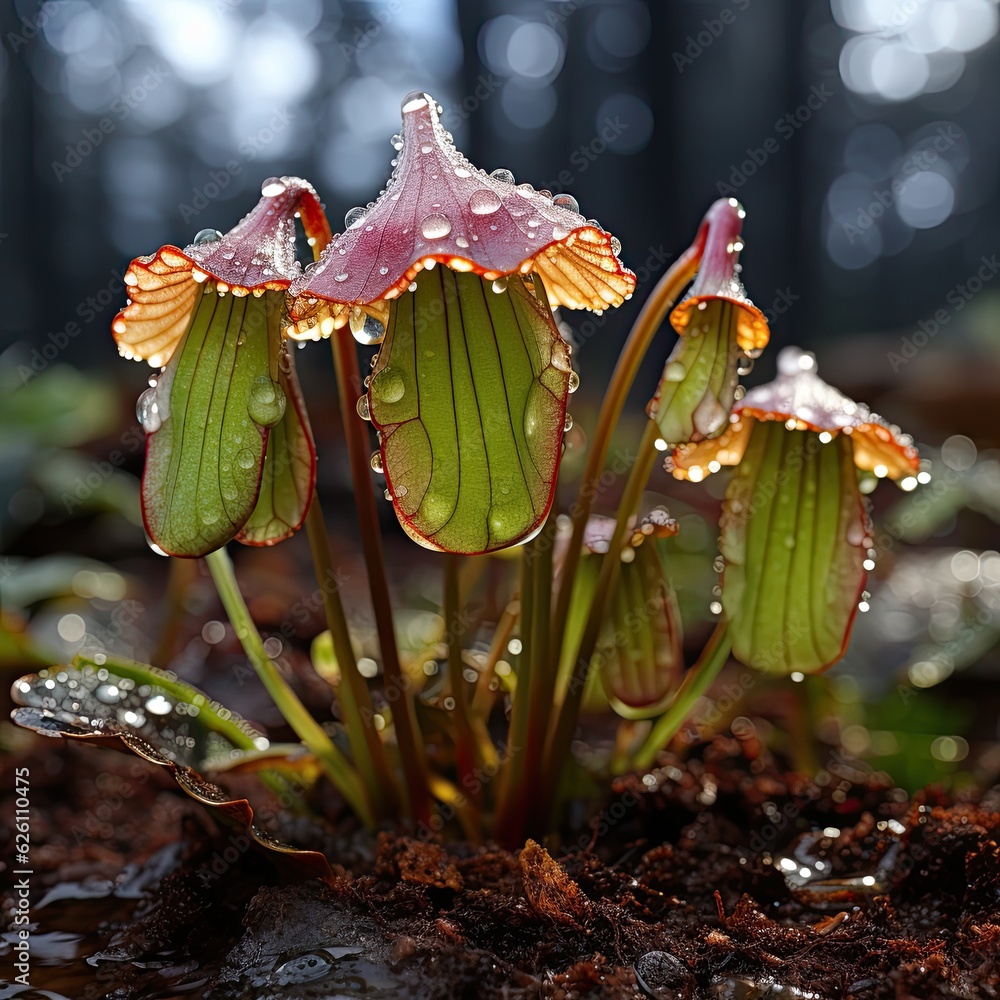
484 202
154 547
412 286
503 175
616 245
207 236
568 423
366 329
855 534
159 705
500 285
397 142
303 968
272 187
436 226
745 367
340 277
383 270
566 201
245 459
709 416
362 408
674 372
388 385
147 411
461 241
265 401
559 233
414 101
574 381
376 462
108 693
208 515
355 217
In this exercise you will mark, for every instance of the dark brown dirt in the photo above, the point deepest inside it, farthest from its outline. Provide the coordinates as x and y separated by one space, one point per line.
710 877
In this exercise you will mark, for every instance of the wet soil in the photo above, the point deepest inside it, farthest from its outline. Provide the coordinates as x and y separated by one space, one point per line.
713 876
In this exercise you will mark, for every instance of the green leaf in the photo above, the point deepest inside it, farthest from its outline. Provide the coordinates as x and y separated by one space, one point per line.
289 476
794 538
643 667
177 719
135 708
697 389
639 656
469 394
214 405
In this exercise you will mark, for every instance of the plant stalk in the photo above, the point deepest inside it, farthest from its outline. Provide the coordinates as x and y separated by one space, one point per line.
355 698
542 677
561 734
465 744
696 682
509 819
349 385
656 307
337 767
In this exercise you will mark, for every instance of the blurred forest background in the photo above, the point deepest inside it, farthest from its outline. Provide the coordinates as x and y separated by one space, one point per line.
863 137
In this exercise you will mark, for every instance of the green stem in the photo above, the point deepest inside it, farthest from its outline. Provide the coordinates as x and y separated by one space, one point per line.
337 767
641 336
345 362
508 823
484 698
355 698
567 714
696 682
542 678
465 744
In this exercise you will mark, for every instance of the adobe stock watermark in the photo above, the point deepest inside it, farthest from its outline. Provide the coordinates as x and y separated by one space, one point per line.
584 156
121 107
782 302
364 34
249 149
31 26
958 298
56 341
101 470
785 128
21 870
695 45
894 20
471 785
921 160
486 86
557 14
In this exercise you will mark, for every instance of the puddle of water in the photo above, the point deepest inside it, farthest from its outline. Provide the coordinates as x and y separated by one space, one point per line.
808 873
74 921
750 989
